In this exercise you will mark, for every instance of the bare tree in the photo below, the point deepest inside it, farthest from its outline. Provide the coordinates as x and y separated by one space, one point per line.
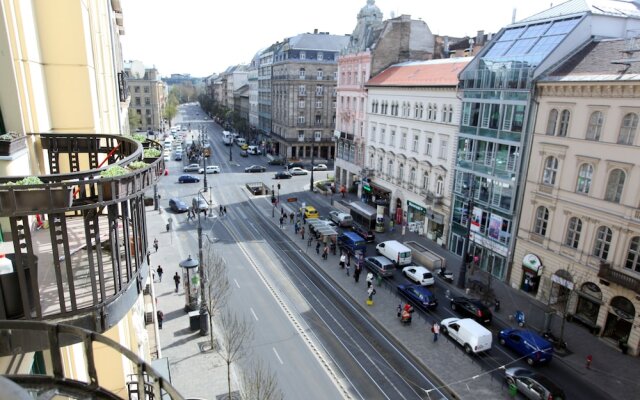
234 334
216 285
259 383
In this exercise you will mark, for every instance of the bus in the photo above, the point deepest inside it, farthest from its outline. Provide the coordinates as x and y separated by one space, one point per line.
227 138
363 214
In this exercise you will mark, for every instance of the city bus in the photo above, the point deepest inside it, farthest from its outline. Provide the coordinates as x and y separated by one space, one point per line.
363 214
227 138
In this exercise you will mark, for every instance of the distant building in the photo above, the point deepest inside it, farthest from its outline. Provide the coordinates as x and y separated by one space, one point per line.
147 95
252 78
304 95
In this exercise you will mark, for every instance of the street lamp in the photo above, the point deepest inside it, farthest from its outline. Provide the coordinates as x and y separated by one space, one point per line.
204 160
204 318
312 162
273 202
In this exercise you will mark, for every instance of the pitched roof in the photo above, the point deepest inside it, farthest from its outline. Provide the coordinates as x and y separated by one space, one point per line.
594 63
319 41
442 72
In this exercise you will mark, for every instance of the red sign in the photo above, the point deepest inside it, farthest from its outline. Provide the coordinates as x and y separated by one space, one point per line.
292 199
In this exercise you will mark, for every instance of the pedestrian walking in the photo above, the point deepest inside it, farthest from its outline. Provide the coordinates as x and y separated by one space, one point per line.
435 328
221 212
281 222
347 267
160 271
343 259
155 244
317 246
291 217
391 225
176 279
369 279
356 273
325 252
149 257
589 360
348 261
302 233
304 219
370 292
309 240
160 315
296 228
224 209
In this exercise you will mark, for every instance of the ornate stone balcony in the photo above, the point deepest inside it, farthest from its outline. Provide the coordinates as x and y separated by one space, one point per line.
610 274
86 263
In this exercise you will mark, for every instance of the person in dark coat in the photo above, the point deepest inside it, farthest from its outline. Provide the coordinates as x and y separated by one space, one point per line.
160 318
176 279
160 271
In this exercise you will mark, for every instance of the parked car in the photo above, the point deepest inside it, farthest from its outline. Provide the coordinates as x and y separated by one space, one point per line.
380 265
367 234
533 385
276 161
295 165
309 212
472 308
166 158
188 179
255 168
474 337
211 169
320 167
178 157
244 153
419 296
199 204
191 168
527 344
298 171
419 274
282 175
178 205
340 218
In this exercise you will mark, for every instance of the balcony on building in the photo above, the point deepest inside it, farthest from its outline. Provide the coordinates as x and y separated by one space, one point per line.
608 273
78 241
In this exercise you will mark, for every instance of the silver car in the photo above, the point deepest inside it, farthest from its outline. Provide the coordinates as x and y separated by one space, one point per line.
533 385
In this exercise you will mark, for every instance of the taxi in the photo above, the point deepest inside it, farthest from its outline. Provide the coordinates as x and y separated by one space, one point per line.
310 212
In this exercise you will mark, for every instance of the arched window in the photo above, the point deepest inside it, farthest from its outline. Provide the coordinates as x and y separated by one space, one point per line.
602 243
371 162
401 173
380 162
412 176
425 181
573 232
628 129
564 123
551 123
615 185
585 173
550 171
595 126
542 219
439 186
390 168
633 255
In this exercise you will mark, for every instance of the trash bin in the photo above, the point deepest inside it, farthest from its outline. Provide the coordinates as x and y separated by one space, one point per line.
194 320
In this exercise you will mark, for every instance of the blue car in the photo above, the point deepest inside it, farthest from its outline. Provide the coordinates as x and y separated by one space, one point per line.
419 296
188 179
528 344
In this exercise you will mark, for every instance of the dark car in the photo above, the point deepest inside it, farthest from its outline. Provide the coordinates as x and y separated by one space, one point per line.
366 234
277 161
243 153
255 168
533 385
188 179
472 308
282 175
419 296
178 205
295 164
528 344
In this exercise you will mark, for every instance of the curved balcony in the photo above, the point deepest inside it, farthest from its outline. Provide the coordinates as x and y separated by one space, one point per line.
87 263
49 346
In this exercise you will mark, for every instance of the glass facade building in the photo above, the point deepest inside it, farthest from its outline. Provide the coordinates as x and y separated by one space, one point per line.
495 129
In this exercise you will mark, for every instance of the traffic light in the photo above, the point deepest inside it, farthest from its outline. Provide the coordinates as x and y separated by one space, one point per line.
278 186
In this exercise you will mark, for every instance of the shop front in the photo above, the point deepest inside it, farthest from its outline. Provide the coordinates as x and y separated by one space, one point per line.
588 305
531 272
376 195
619 319
561 287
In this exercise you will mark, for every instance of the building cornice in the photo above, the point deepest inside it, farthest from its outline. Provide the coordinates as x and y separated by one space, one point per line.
591 89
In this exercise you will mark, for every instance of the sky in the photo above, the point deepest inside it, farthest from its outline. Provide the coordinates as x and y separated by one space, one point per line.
202 37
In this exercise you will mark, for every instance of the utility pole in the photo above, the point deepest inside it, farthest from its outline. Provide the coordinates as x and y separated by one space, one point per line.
312 161
462 274
204 161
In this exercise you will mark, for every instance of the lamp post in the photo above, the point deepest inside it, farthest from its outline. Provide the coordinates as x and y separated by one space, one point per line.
273 203
204 161
312 161
204 318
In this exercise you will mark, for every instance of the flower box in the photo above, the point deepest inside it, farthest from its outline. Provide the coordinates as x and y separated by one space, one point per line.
7 147
36 199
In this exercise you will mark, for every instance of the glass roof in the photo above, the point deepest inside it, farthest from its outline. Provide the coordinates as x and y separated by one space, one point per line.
529 44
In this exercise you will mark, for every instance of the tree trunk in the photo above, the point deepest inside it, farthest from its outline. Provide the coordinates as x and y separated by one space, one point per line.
211 330
229 379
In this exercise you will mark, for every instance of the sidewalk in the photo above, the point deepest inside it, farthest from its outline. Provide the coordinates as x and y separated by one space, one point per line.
610 370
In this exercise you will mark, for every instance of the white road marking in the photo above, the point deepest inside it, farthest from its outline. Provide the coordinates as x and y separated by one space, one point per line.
278 356
237 284
254 314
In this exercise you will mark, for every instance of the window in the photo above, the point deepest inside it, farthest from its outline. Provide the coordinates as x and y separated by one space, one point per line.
414 146
137 101
318 103
147 101
573 232
303 55
439 186
542 219
628 129
444 149
380 162
633 255
373 134
615 184
595 126
301 73
148 120
317 136
551 123
550 171
319 75
302 90
416 110
412 176
318 90
301 136
146 89
602 243
401 173
381 136
425 181
301 119
392 139
564 123
136 89
320 56
429 147
300 103
318 120
585 174
403 140
390 168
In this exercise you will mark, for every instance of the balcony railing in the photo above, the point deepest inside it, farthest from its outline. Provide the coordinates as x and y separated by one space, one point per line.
20 339
618 277
88 261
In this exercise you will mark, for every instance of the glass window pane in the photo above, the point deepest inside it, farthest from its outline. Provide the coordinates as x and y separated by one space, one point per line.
499 49
536 30
521 47
512 33
564 26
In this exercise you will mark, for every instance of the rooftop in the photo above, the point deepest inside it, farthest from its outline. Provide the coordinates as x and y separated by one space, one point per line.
443 72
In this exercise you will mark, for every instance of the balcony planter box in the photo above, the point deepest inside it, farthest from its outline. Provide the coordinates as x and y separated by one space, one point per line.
7 147
36 199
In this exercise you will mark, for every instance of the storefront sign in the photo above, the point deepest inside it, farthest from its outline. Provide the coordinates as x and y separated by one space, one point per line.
366 187
416 206
532 262
562 282
489 244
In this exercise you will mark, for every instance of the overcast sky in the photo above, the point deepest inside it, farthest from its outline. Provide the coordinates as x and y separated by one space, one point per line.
200 37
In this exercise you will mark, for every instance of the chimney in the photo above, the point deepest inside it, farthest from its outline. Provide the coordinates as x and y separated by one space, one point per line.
480 37
315 31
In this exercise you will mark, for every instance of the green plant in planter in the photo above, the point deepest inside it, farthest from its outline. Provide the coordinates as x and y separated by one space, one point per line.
151 153
29 180
113 171
9 136
138 165
139 138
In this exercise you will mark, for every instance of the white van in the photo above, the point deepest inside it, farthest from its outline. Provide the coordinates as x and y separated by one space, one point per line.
227 138
167 142
240 141
395 251
255 150
474 337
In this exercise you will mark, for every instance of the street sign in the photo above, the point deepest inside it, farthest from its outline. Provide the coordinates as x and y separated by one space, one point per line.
292 199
